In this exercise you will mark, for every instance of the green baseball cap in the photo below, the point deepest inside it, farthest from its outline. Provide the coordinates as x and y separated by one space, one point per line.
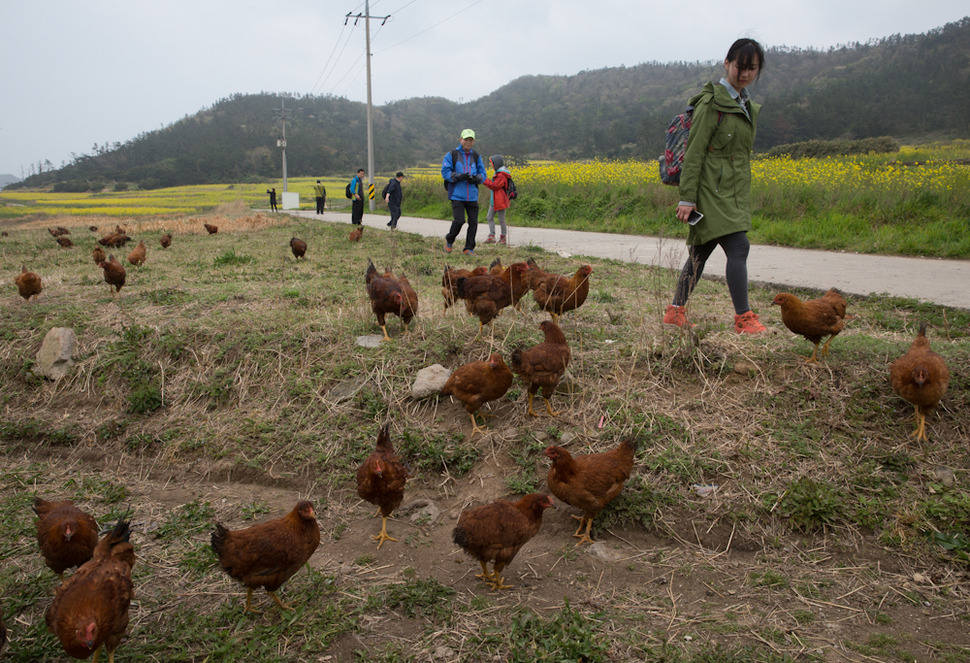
467 133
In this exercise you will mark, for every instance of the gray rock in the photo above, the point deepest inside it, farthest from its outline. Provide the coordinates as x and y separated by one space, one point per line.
421 511
599 550
55 358
344 391
372 341
567 438
429 381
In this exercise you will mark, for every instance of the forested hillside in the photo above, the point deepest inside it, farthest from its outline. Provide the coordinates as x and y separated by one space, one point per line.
911 87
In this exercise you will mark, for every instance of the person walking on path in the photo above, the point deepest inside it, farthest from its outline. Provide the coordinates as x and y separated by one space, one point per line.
463 170
715 183
357 198
393 195
320 193
499 198
272 199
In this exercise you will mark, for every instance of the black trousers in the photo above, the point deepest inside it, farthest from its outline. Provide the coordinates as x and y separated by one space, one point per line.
320 203
357 211
395 213
736 247
458 209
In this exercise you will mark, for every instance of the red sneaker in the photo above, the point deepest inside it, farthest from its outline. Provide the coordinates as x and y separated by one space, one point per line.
748 323
677 316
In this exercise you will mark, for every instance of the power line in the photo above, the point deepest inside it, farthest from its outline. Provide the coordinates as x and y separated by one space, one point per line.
431 27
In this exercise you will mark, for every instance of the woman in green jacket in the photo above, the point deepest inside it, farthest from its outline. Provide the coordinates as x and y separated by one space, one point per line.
716 182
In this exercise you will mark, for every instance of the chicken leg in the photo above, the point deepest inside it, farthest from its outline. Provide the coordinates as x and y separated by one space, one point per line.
920 432
383 536
497 582
386 337
282 605
549 406
583 537
475 427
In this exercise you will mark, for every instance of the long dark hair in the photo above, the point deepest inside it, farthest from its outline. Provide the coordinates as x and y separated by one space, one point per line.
748 54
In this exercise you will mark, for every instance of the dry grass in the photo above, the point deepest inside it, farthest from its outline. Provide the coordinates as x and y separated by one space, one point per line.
226 377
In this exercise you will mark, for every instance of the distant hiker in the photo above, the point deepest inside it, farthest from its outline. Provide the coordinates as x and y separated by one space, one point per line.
393 195
499 199
320 193
463 170
272 199
715 184
356 189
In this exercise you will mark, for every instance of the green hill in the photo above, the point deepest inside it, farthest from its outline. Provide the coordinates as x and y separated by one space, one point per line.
913 88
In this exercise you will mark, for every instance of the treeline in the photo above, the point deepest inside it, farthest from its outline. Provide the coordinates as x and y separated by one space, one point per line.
908 87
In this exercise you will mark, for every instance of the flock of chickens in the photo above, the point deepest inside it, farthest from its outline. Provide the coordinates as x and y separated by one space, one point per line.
90 608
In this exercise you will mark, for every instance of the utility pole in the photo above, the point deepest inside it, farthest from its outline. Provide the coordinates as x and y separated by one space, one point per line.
370 123
281 142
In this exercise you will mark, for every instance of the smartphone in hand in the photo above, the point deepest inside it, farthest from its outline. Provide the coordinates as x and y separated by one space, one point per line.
694 217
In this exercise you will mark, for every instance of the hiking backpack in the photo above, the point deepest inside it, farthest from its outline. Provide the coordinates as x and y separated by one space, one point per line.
510 189
348 192
675 146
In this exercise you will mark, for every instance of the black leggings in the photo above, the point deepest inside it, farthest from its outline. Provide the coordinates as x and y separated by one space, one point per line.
736 247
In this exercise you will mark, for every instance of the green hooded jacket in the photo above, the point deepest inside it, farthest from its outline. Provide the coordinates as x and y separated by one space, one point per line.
716 175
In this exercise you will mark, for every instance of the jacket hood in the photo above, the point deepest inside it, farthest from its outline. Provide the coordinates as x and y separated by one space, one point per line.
497 160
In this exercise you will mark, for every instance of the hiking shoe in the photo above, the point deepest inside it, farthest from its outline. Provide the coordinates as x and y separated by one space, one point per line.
676 316
469 252
447 247
748 323
502 240
490 240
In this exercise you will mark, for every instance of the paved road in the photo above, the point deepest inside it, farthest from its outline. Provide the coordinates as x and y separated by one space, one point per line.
944 282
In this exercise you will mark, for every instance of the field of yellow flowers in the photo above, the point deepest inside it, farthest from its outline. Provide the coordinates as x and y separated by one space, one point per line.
913 202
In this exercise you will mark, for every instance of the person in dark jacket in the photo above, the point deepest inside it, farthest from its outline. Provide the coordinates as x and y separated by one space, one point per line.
463 170
272 199
357 198
393 195
716 183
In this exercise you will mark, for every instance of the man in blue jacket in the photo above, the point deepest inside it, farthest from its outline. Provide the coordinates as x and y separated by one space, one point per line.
463 170
357 198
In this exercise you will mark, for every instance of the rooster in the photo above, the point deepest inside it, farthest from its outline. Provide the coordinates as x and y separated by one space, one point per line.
380 481
921 377
298 247
558 294
814 318
542 366
90 609
589 482
114 273
28 283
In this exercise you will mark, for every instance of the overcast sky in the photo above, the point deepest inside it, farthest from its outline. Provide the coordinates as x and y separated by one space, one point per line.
73 74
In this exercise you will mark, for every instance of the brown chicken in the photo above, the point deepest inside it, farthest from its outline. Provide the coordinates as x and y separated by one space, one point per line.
921 377
58 231
114 272
558 294
114 240
542 366
356 234
28 284
66 535
65 242
138 254
165 240
814 318
390 295
449 281
90 609
211 229
495 532
520 281
486 295
99 255
268 554
93 229
298 247
477 383
380 481
589 482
